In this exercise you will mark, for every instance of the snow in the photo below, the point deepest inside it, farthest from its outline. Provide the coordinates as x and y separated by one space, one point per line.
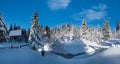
47 47
112 43
110 52
2 28
26 55
8 44
94 44
89 50
40 49
15 33
77 46
74 47
98 58
93 52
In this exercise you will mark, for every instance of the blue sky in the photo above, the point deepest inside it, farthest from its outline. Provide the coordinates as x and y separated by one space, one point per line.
57 12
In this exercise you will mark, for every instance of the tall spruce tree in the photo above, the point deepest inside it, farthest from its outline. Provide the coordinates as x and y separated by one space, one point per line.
35 23
84 29
106 30
68 26
15 27
99 34
117 31
63 30
28 33
47 31
3 30
117 26
63 27
11 27
35 35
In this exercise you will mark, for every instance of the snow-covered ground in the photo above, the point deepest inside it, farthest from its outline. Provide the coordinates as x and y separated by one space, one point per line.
112 42
107 54
26 55
14 44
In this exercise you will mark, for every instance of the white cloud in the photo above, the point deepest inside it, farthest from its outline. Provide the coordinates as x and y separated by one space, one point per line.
58 4
100 7
94 13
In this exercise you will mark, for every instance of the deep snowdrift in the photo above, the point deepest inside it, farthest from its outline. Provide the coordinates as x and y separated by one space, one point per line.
77 46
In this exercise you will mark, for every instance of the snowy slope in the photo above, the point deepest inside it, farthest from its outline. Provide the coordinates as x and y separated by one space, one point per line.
109 56
27 56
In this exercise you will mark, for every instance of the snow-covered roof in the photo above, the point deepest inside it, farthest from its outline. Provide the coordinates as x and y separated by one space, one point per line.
15 33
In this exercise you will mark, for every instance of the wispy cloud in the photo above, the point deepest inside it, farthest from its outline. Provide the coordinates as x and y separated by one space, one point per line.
58 4
94 13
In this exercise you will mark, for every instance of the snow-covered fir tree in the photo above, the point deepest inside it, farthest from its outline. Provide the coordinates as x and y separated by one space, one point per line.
38 39
117 26
84 30
74 31
3 30
68 26
63 30
65 33
92 35
35 35
47 32
35 23
99 34
106 30
117 31
56 33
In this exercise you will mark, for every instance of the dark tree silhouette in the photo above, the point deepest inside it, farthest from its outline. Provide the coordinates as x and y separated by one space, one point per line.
117 26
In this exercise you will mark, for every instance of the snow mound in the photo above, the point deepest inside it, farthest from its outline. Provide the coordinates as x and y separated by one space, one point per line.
89 50
74 47
77 46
